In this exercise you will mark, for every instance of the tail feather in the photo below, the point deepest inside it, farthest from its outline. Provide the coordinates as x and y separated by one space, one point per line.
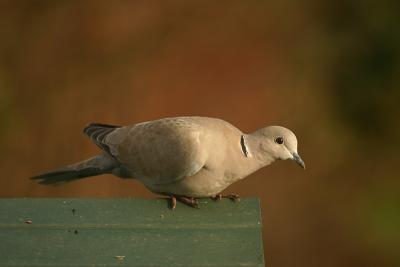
94 166
64 175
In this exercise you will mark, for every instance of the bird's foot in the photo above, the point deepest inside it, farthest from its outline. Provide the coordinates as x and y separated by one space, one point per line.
233 197
190 201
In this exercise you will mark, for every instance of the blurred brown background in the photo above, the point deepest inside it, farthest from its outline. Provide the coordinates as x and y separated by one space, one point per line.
329 70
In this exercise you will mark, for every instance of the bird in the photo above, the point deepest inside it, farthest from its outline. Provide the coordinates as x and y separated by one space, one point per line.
184 158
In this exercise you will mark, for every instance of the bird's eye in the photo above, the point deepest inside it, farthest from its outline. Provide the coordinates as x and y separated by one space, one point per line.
279 140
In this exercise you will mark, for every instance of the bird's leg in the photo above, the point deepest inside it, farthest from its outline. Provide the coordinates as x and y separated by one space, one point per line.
190 201
172 203
233 197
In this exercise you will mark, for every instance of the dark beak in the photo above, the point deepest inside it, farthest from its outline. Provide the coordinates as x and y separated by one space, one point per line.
298 160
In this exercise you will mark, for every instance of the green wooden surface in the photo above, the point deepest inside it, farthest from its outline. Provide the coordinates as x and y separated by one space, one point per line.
144 232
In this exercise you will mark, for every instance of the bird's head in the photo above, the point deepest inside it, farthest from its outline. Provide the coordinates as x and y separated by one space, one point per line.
279 143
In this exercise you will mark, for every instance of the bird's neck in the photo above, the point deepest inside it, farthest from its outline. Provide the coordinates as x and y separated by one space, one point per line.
254 146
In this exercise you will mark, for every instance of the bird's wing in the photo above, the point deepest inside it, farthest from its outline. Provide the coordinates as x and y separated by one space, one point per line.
98 132
161 151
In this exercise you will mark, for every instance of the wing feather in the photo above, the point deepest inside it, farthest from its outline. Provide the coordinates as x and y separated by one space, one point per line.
160 152
98 132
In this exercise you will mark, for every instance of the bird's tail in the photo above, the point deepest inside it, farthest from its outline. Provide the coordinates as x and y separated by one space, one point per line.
96 165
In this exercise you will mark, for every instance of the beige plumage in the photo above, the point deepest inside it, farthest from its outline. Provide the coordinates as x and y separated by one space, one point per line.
188 157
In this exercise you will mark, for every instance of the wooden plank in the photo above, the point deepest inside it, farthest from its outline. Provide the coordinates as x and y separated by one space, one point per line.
143 232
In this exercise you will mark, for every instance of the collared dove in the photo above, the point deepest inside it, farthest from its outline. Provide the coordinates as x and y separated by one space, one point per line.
184 158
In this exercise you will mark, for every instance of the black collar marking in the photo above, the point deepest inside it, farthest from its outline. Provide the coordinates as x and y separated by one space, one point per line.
243 145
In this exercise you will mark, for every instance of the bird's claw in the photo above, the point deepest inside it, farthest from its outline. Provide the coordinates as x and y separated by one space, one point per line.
216 197
190 201
233 197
